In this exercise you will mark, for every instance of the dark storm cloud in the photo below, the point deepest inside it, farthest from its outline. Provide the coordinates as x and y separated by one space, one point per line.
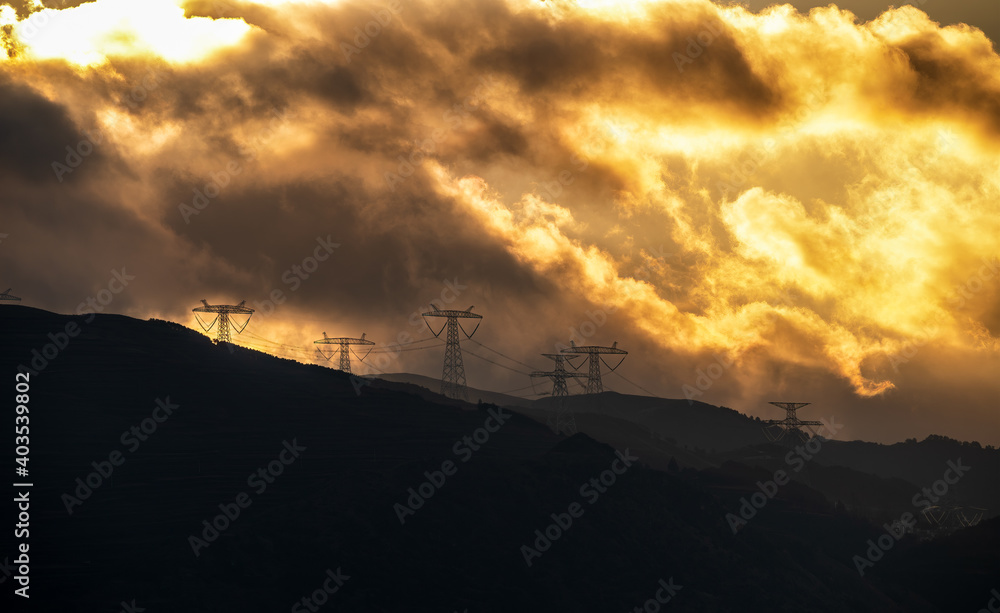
34 134
391 251
587 58
949 82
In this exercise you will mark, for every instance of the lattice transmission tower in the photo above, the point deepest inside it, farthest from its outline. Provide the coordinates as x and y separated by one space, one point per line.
562 420
453 383
223 315
776 429
8 297
594 359
558 374
345 349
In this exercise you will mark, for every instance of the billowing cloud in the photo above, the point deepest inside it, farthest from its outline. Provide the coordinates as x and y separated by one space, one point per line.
805 199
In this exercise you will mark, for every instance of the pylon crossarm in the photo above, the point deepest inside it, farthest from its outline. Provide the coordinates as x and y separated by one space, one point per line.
201 322
438 333
240 328
612 368
593 349
453 313
790 405
467 334
362 358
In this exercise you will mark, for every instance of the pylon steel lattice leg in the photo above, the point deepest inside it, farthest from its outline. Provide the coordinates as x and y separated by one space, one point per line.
562 420
224 328
345 357
594 383
453 383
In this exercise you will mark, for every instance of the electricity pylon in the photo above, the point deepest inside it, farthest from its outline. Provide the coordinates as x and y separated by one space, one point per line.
558 374
594 353
790 423
345 349
562 421
453 375
222 315
8 296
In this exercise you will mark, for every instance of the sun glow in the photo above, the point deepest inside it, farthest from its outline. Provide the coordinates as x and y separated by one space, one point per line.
93 32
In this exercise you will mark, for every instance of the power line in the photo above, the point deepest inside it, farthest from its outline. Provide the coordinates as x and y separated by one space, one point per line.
532 387
502 355
497 363
395 351
261 338
635 384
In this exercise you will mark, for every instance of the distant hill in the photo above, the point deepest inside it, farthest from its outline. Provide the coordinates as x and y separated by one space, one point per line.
872 479
421 385
691 423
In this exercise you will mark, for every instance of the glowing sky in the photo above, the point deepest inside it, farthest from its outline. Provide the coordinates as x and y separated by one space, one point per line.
806 195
